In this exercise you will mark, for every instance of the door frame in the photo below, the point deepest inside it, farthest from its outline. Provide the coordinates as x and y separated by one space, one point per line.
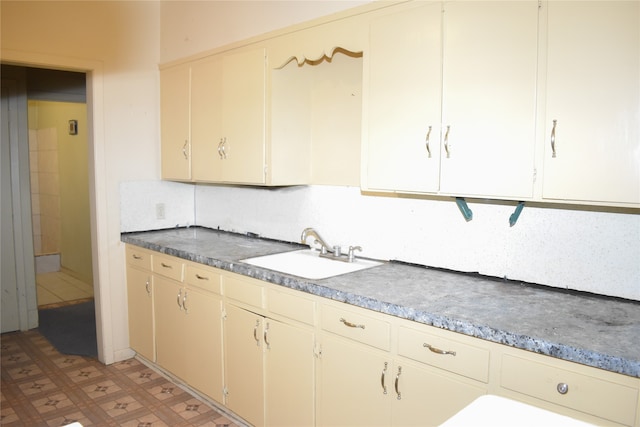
97 181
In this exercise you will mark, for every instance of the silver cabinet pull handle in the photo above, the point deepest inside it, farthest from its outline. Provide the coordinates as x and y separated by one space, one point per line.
427 142
437 350
255 332
199 277
179 298
147 286
165 265
136 256
220 148
399 395
351 325
553 139
266 336
446 141
384 373
184 301
184 149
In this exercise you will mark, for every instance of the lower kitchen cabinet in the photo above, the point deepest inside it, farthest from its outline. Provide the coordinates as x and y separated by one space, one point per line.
543 381
354 385
140 303
364 387
244 365
170 326
424 396
289 375
360 385
189 334
269 369
286 363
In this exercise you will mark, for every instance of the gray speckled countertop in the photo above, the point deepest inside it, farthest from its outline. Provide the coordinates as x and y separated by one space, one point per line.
588 329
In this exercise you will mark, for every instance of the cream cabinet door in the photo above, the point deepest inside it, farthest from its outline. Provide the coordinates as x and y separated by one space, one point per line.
171 326
402 101
592 124
424 396
206 120
489 98
175 122
355 384
244 365
140 308
243 116
289 375
203 353
451 102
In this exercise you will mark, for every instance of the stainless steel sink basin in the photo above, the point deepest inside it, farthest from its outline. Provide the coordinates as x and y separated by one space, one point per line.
308 264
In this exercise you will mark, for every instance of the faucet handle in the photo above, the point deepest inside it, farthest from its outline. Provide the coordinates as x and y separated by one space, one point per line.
323 248
352 249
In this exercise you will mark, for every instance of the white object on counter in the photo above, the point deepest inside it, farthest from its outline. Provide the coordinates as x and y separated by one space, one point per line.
496 411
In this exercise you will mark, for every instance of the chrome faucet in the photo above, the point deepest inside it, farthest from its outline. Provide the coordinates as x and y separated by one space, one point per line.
326 251
311 232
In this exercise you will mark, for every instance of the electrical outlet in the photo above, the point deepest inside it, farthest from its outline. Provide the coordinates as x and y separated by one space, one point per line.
159 210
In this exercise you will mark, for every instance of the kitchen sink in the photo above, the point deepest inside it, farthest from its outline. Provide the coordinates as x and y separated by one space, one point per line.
308 264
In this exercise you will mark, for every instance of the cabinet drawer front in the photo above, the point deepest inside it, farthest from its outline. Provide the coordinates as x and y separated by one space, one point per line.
605 399
243 291
138 257
451 355
204 278
291 306
358 327
170 267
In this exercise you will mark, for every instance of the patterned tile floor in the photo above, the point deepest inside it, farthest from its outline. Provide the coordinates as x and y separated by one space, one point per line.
41 387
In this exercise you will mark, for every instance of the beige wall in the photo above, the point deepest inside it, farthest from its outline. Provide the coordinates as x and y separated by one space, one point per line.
191 27
118 44
62 180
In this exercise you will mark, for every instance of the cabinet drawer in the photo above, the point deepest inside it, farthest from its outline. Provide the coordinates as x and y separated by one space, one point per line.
244 291
291 306
204 278
450 355
138 257
596 396
170 267
359 327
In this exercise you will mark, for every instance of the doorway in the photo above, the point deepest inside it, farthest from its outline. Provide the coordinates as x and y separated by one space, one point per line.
60 201
59 178
108 351
53 123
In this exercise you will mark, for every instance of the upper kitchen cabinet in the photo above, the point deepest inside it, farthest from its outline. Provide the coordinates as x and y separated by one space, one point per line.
316 97
206 119
489 98
175 122
592 120
402 101
450 99
214 123
241 142
228 117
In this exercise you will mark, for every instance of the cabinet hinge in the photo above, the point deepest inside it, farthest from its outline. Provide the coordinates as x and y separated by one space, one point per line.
224 314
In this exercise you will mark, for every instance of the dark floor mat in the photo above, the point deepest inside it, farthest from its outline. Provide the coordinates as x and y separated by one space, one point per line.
71 329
